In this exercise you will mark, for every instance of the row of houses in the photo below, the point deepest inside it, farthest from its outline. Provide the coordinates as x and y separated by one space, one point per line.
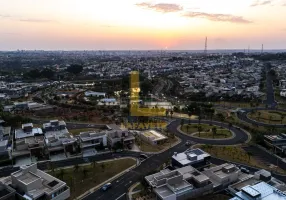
54 138
187 181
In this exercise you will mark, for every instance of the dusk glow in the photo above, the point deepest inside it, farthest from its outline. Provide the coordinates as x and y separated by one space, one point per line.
133 24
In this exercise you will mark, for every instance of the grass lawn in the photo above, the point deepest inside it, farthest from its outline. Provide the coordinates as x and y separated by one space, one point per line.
268 116
236 154
146 147
89 176
206 131
78 131
219 135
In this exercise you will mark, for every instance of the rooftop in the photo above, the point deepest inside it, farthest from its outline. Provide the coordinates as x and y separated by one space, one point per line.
190 156
154 135
19 133
261 190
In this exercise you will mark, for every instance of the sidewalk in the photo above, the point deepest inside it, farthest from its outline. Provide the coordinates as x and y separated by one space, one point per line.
109 180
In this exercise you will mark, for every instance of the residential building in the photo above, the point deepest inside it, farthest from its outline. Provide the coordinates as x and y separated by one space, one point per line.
194 157
34 184
29 139
94 94
153 137
116 134
6 192
222 175
182 183
108 102
277 142
92 139
261 191
259 176
58 138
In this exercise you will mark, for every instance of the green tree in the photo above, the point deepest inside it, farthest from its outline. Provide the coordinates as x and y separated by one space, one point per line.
75 69
249 154
102 166
282 118
182 122
76 168
214 131
85 172
200 130
259 115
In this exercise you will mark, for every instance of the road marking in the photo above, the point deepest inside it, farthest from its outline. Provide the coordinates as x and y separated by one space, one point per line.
120 196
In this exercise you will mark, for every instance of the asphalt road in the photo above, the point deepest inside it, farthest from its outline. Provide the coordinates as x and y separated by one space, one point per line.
243 117
270 98
121 184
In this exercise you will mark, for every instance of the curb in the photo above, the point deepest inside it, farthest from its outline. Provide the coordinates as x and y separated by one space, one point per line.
90 191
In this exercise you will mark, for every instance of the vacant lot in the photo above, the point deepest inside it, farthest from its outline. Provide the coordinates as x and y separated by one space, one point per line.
82 178
268 116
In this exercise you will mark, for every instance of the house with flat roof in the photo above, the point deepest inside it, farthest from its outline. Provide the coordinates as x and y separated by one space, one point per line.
117 134
277 142
259 176
194 157
182 183
92 139
58 138
222 175
153 137
33 184
261 191
30 140
94 94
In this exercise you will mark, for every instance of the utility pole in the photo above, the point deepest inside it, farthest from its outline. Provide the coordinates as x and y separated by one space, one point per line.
262 49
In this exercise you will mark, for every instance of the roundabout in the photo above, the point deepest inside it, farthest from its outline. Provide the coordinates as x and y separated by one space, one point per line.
264 117
239 136
206 131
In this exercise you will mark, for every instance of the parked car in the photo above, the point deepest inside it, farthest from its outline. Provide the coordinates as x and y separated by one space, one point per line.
106 186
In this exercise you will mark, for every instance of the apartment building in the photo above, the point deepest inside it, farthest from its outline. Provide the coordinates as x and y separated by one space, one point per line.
34 184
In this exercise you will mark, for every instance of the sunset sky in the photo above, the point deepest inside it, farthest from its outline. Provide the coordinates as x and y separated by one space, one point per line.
146 25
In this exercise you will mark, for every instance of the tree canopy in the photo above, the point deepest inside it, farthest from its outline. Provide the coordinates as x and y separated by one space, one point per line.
75 69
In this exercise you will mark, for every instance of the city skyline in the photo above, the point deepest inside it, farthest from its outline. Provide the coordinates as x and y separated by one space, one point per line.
141 25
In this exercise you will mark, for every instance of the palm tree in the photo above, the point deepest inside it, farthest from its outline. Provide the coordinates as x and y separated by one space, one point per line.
188 126
229 126
249 155
62 173
102 167
200 130
182 122
270 118
76 168
190 114
172 112
94 164
85 172
282 118
200 118
259 115
214 131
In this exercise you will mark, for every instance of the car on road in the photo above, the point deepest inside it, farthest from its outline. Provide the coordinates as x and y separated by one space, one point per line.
244 170
143 156
106 186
